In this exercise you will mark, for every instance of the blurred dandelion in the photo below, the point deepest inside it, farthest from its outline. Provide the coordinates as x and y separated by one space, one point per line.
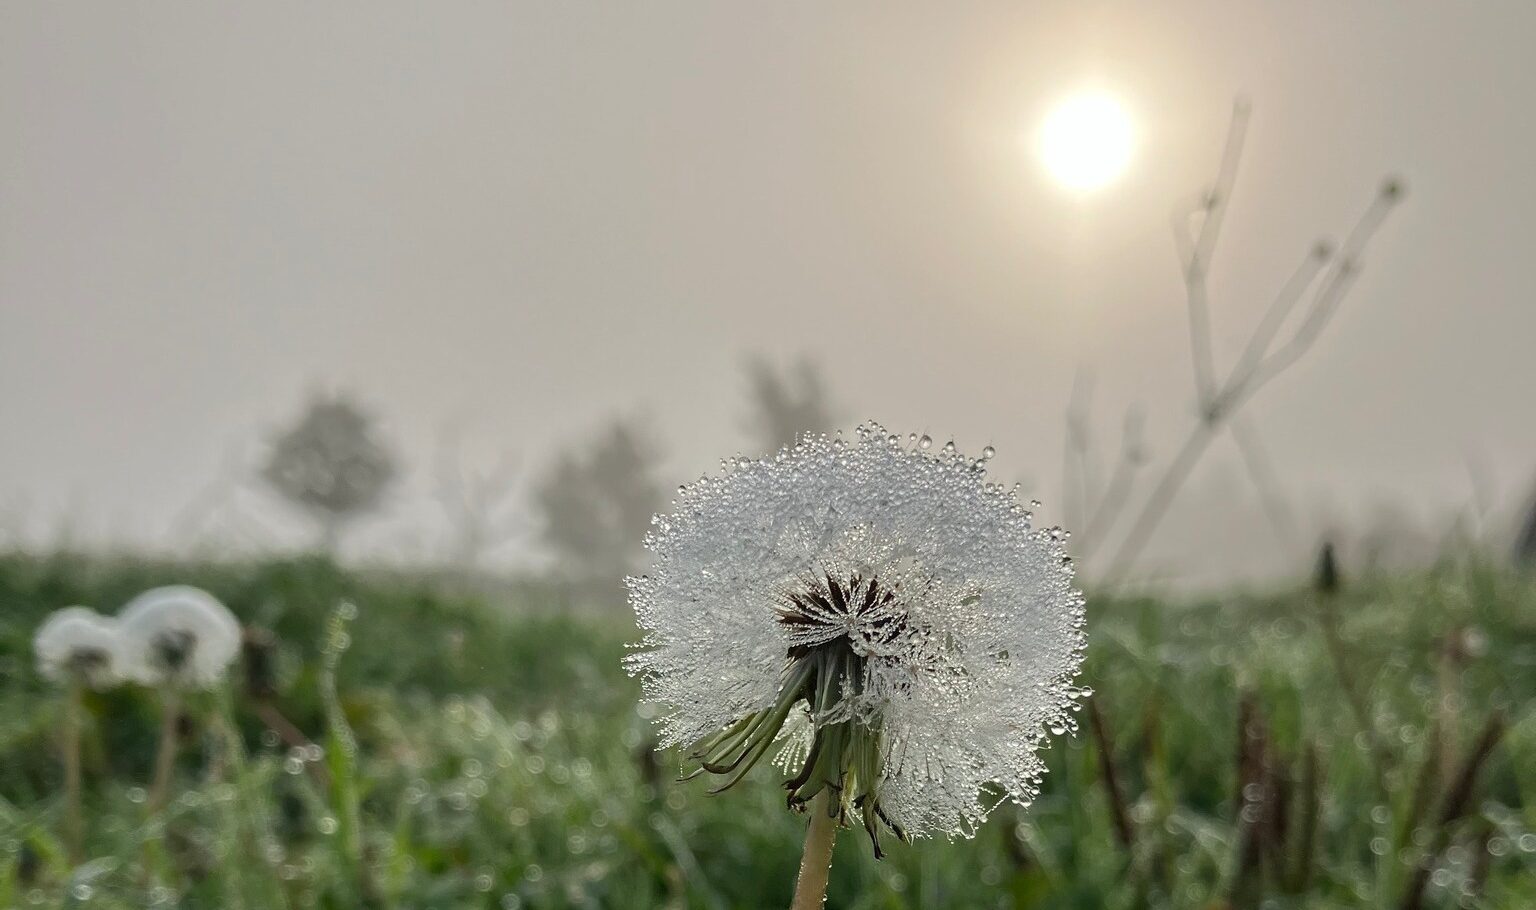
902 609
79 649
176 638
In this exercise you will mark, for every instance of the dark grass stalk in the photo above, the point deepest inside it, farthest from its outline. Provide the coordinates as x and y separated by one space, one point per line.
1246 885
1459 797
1119 812
291 736
1311 805
1424 784
1448 694
1453 807
1276 820
1246 710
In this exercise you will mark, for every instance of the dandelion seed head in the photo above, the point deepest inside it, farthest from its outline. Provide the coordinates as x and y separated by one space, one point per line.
178 635
77 645
883 595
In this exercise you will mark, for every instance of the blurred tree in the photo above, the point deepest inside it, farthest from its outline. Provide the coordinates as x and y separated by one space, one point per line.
788 404
595 505
331 465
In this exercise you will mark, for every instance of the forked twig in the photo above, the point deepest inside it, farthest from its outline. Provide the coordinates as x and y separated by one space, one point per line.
1327 274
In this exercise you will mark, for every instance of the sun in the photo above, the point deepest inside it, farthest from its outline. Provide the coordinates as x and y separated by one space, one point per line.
1086 140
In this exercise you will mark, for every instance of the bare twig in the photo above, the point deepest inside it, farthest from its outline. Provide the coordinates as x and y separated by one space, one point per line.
1335 286
1261 473
1260 362
1290 294
1160 499
1117 491
1197 254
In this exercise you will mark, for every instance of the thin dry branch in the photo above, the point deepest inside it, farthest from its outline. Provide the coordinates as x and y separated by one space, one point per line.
1117 491
1197 253
1261 472
1260 361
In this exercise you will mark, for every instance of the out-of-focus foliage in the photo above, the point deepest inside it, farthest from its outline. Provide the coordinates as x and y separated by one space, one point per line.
501 762
594 505
331 464
787 404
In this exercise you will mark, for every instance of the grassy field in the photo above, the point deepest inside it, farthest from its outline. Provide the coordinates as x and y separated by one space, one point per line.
488 752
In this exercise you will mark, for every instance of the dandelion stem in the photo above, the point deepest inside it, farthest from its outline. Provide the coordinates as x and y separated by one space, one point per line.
74 825
816 861
165 759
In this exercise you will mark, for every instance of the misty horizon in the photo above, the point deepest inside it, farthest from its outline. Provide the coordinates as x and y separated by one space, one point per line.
508 226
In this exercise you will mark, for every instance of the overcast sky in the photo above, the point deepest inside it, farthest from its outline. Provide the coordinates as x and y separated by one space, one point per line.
520 219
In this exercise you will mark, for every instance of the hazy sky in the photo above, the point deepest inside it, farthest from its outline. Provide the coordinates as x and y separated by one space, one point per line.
520 219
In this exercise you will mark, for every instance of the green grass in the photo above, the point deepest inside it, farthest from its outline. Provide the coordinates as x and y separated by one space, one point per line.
490 753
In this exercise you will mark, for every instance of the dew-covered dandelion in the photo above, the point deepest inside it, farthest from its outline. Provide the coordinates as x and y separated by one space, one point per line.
179 636
78 646
879 614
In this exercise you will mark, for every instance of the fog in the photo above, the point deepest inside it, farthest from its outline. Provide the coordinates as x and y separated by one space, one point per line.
505 224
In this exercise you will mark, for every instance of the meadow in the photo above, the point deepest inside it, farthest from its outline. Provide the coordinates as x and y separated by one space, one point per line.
404 741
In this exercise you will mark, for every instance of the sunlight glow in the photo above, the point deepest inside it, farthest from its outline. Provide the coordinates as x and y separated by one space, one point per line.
1086 141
